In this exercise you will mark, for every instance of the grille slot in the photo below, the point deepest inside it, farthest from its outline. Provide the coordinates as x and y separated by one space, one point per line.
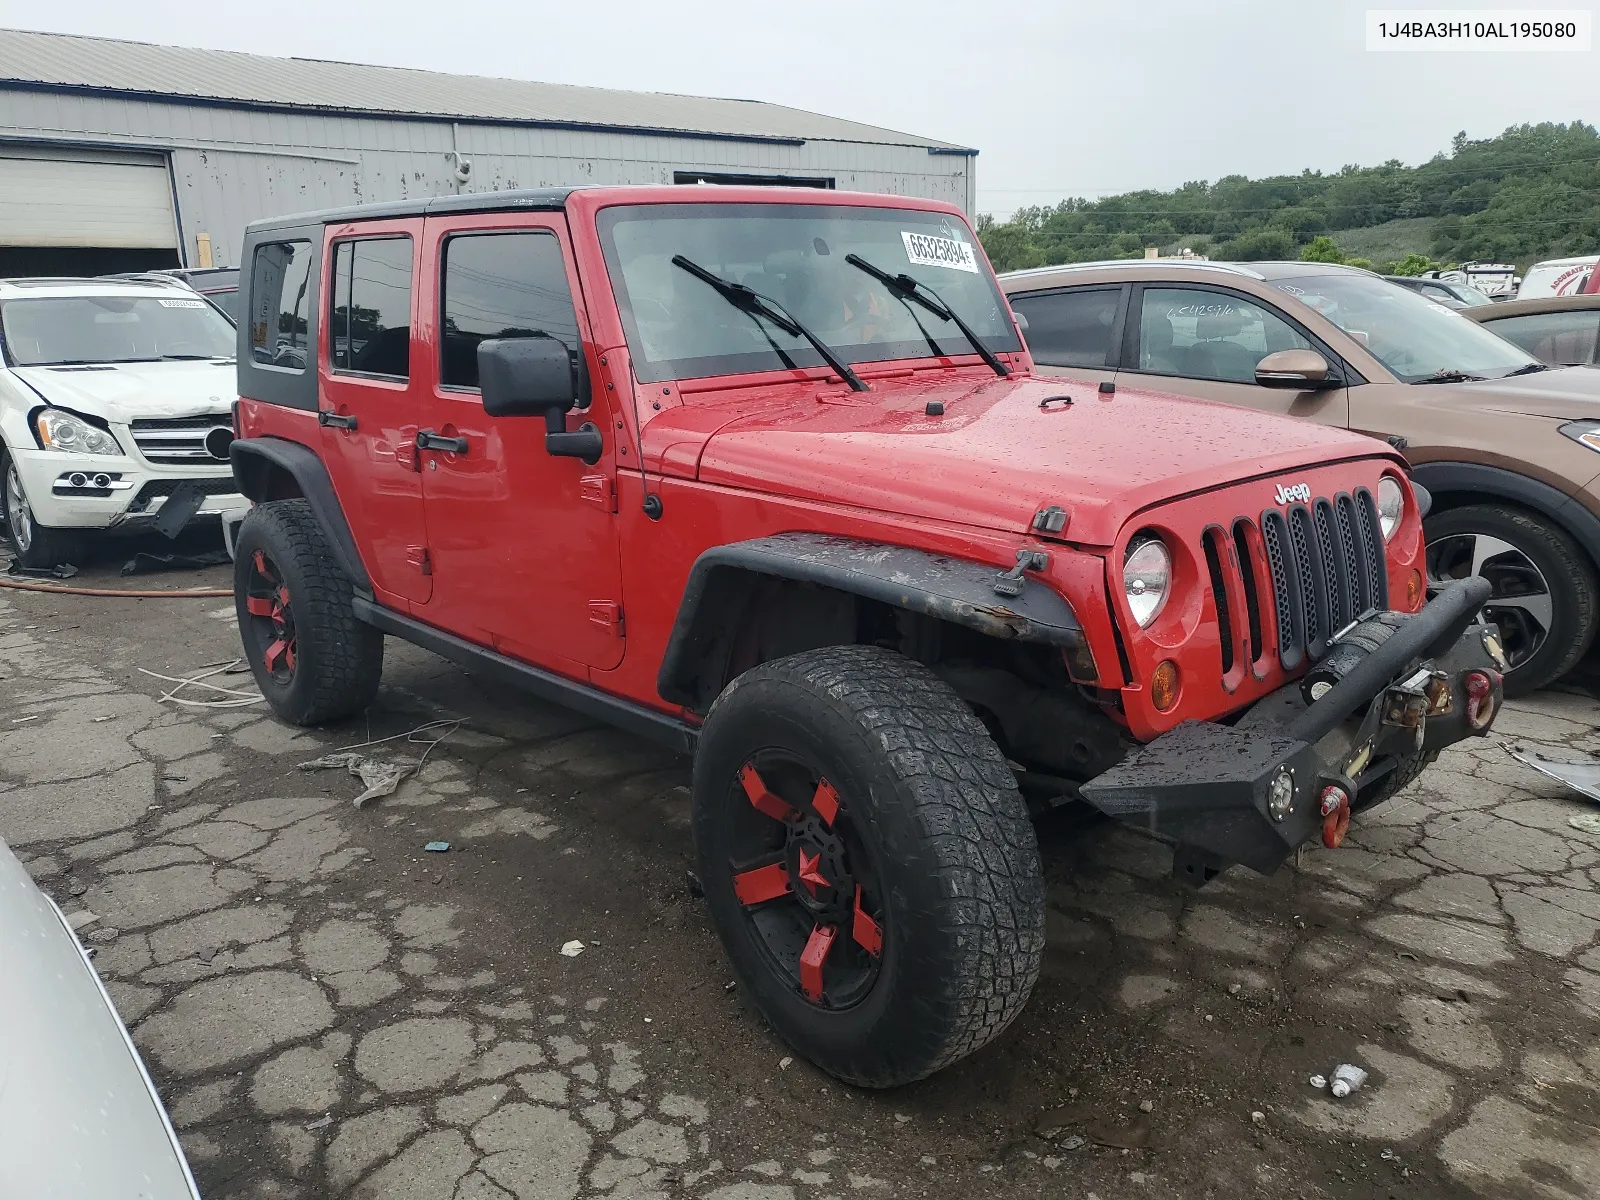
178 441
1219 592
1247 572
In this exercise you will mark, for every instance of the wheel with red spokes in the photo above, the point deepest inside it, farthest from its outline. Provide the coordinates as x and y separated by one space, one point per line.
868 862
313 660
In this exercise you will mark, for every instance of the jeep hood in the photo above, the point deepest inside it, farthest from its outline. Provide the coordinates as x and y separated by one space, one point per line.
1005 448
1572 393
123 392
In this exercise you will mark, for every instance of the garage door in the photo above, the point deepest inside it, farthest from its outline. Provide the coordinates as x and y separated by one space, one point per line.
50 198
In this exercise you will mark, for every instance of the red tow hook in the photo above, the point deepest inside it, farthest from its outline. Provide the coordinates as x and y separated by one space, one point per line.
1335 816
1483 689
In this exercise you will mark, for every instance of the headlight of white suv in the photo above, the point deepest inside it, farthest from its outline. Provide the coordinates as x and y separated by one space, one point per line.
1391 505
62 431
1146 577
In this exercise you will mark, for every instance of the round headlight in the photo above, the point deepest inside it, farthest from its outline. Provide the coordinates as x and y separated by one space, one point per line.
1146 578
1391 505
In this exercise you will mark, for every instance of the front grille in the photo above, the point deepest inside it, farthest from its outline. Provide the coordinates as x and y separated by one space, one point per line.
1325 562
178 441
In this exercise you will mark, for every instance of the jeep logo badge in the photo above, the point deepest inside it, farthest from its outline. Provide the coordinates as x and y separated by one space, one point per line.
1294 491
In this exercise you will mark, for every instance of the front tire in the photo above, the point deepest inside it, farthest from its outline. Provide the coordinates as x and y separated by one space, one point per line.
1544 601
848 789
36 547
313 660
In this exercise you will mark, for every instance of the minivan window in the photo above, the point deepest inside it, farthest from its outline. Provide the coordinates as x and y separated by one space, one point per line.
501 285
1411 335
61 330
1070 329
369 329
680 327
280 306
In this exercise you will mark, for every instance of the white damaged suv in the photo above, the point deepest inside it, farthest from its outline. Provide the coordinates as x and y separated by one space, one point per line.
116 400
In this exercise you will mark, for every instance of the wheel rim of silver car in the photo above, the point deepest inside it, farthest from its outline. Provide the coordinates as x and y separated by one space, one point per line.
18 515
1521 605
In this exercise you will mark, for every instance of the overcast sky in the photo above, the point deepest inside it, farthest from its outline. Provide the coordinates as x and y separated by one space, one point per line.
1062 98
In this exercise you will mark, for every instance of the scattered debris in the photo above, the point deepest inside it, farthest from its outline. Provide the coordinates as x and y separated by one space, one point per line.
1258 1117
226 697
1320 1082
81 918
785 1063
437 847
1347 1078
23 720
1388 1156
1147 1106
1587 822
321 1122
378 778
730 985
1581 777
1235 988
1072 1142
144 561
573 948
61 571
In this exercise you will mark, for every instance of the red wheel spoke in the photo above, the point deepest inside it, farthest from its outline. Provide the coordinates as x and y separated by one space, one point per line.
812 958
274 652
868 934
283 596
259 606
288 656
760 797
826 802
761 884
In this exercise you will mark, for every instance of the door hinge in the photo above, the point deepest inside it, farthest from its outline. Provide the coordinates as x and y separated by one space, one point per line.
420 558
598 490
607 614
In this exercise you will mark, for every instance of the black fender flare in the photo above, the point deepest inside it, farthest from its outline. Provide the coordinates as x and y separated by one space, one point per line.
950 589
1496 483
255 459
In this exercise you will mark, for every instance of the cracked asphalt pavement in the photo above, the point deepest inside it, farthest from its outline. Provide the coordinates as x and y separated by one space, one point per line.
330 1010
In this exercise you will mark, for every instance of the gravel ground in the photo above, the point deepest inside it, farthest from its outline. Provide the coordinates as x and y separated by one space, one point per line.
329 1010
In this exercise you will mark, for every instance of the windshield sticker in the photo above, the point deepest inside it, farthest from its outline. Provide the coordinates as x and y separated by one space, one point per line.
180 303
926 251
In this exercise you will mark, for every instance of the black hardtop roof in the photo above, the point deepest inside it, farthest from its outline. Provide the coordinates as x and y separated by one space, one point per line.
510 200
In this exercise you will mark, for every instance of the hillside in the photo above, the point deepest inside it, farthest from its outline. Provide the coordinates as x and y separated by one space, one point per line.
1532 192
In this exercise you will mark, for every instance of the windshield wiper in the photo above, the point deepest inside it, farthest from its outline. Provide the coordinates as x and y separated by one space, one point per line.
751 301
903 287
1530 369
1450 375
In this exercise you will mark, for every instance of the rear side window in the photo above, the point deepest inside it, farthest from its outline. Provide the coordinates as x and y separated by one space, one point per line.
501 285
1561 339
280 304
1071 329
369 322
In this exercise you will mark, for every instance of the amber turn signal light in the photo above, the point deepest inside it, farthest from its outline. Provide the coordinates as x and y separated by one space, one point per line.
1164 686
1413 589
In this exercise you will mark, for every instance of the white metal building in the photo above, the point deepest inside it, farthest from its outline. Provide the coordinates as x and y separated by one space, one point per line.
126 156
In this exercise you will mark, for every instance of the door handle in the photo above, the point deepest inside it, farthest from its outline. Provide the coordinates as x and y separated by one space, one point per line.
427 439
327 418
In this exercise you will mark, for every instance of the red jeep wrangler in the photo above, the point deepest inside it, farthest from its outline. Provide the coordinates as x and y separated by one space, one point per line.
766 475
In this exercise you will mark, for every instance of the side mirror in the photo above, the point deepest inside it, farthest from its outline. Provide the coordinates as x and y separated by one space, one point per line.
1022 320
538 376
1301 370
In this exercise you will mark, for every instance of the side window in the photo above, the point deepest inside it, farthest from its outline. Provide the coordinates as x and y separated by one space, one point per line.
1561 339
501 285
1070 329
369 326
1209 335
280 304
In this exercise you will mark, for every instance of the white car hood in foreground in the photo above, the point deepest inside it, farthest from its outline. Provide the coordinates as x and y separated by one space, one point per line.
123 392
78 1117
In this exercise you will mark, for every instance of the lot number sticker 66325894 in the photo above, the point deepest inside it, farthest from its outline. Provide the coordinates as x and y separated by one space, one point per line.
925 250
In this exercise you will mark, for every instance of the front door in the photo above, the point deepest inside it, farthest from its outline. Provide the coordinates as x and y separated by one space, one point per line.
371 400
524 545
1206 342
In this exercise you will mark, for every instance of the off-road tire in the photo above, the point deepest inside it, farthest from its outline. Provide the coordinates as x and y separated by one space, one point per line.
48 548
1566 569
930 796
339 658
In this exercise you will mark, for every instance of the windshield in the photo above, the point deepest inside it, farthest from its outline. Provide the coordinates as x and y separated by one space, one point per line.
1467 294
1412 336
52 330
680 327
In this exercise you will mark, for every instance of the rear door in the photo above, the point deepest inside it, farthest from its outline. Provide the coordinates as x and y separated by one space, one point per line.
1074 332
525 545
372 400
1205 341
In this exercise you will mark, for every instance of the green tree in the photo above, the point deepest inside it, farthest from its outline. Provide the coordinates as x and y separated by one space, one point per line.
1322 249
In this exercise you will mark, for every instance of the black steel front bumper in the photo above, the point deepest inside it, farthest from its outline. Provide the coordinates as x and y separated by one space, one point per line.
1206 786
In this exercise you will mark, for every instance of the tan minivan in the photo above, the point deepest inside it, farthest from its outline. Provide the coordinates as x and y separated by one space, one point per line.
1509 448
